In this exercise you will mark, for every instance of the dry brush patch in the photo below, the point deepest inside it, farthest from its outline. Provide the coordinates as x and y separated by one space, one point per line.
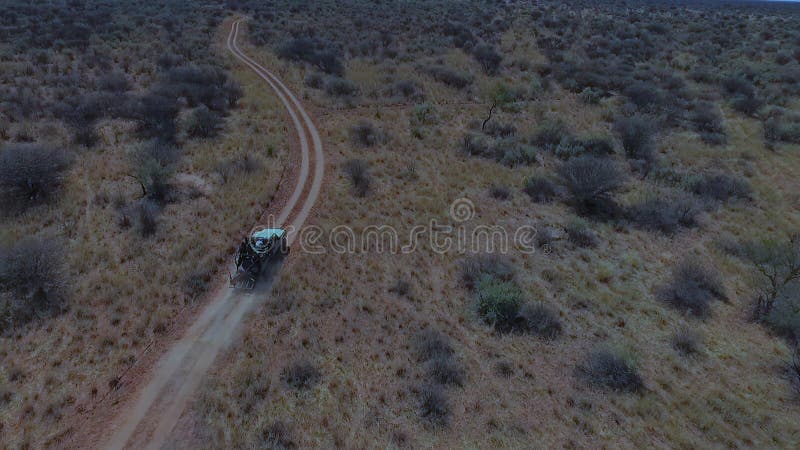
128 286
347 317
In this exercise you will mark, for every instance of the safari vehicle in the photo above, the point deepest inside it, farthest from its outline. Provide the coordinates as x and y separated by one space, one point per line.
254 252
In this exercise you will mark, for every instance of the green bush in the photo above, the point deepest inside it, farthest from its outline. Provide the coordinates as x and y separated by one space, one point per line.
498 302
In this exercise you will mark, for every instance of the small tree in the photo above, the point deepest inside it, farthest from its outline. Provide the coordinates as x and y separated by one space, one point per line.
777 262
501 94
154 162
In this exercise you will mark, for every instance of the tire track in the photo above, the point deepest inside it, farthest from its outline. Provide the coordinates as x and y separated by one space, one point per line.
176 377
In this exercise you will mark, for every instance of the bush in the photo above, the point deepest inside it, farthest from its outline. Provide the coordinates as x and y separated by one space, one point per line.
33 280
366 135
539 320
596 146
605 369
114 82
450 77
549 135
500 192
203 123
707 121
147 214
664 213
156 115
686 342
476 145
541 189
358 171
784 317
510 152
488 58
644 95
498 302
30 174
405 89
693 286
720 186
777 264
434 405
301 375
497 129
339 87
230 168
401 288
430 344
746 105
278 436
445 371
154 162
478 266
590 182
636 134
314 80
305 49
579 233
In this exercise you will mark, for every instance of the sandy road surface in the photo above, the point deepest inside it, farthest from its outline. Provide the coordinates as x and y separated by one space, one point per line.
157 406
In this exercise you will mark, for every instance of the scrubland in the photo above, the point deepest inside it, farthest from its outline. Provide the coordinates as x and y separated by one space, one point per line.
654 148
164 163
626 136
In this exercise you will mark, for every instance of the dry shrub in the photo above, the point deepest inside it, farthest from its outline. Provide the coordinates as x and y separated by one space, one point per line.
721 186
693 286
358 171
446 371
434 406
33 280
431 344
686 342
541 189
30 174
579 234
147 217
539 320
637 135
500 192
664 213
475 267
590 182
366 134
605 369
278 436
301 375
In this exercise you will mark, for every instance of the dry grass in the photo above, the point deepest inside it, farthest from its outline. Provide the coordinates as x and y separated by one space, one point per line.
127 288
345 319
338 310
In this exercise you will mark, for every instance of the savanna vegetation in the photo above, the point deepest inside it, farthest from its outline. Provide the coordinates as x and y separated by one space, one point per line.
653 146
131 159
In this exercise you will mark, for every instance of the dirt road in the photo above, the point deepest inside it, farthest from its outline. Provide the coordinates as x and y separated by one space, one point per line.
155 409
